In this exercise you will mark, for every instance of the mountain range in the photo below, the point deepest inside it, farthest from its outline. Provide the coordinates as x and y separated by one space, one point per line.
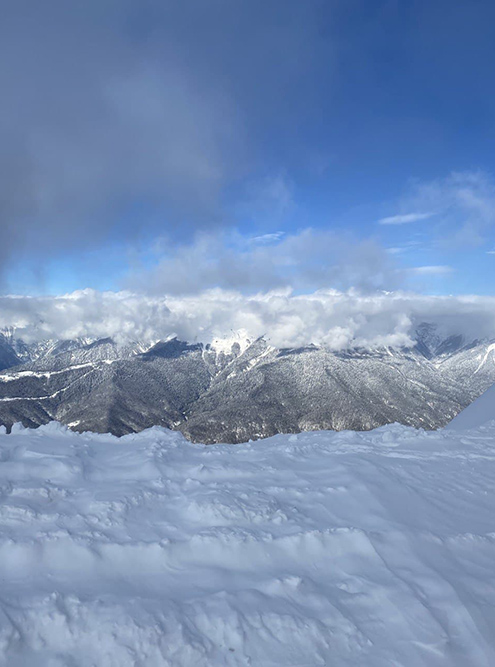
234 390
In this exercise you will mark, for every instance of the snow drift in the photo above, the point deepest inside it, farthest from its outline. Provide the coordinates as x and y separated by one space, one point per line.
323 548
480 412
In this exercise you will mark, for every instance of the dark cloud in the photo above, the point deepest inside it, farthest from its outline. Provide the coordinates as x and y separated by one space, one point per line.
119 114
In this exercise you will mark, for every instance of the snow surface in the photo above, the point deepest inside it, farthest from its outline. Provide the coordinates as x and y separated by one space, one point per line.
480 412
366 549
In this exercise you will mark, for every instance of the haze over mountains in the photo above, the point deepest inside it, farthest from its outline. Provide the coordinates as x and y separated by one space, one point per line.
237 389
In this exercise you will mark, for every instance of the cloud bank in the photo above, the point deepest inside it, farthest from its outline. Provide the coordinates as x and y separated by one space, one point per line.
335 319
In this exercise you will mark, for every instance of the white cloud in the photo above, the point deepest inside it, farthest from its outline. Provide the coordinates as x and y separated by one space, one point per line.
307 260
435 270
464 205
329 317
404 218
267 238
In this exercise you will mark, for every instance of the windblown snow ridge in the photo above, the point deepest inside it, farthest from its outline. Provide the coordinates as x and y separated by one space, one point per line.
324 548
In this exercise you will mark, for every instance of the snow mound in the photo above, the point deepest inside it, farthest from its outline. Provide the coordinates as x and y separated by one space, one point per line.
480 412
339 549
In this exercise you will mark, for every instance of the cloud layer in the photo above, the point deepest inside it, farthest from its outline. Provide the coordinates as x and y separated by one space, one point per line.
338 320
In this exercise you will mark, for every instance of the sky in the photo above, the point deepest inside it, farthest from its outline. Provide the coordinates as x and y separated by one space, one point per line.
167 148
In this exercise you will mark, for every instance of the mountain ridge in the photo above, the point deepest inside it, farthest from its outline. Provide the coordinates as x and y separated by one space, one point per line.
237 391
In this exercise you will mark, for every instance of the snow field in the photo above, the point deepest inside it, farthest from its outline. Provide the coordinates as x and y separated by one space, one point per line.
323 548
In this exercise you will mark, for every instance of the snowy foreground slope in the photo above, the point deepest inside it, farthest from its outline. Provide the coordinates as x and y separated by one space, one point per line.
324 548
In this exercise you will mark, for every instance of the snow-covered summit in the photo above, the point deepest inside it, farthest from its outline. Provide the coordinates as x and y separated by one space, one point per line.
238 341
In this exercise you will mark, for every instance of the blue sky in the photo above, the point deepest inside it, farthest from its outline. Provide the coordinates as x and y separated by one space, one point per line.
148 138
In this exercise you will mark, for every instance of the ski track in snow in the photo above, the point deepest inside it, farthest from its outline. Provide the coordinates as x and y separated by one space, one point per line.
373 549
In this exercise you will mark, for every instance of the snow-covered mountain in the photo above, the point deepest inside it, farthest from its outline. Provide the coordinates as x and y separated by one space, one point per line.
322 548
234 389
